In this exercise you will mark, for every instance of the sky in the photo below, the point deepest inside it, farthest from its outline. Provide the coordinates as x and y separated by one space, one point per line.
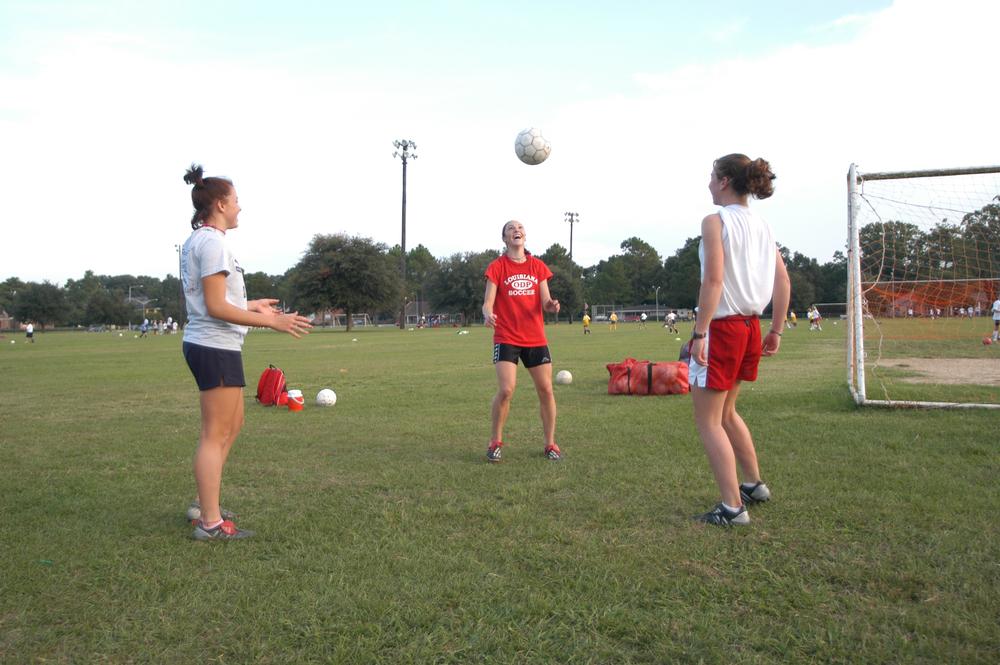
104 104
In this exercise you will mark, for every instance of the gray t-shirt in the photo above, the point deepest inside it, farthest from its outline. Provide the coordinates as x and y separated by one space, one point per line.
206 253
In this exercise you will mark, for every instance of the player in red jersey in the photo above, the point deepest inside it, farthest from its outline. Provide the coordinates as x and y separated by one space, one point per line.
517 292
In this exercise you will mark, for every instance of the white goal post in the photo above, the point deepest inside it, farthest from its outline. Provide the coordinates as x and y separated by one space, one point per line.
923 272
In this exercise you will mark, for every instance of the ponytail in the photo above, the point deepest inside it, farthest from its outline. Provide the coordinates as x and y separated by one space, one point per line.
748 177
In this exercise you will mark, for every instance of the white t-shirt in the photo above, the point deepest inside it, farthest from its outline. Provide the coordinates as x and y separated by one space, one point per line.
996 309
643 316
749 262
206 253
671 317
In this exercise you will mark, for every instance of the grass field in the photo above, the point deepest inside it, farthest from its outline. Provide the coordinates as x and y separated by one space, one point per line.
384 536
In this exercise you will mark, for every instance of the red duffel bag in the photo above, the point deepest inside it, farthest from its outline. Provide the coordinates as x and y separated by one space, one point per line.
641 377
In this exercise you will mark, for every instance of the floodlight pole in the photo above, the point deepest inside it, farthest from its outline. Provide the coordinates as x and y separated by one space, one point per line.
180 286
657 303
572 218
403 147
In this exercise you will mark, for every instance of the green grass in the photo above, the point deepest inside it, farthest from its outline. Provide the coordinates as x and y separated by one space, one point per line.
384 537
912 340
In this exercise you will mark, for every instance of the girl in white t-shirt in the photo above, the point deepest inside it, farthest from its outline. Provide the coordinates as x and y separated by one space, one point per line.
219 315
741 271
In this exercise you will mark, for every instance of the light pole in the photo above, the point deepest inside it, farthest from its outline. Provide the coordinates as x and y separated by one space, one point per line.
657 303
180 285
130 302
144 302
403 147
572 218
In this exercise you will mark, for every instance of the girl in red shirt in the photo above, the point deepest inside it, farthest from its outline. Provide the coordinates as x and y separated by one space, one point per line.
517 292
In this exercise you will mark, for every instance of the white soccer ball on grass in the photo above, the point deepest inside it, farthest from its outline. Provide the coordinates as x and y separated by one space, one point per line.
326 397
564 377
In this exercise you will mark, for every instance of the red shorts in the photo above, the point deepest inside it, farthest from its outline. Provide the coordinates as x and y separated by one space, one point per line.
734 350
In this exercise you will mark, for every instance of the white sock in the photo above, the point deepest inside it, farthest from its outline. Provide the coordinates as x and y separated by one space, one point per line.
730 508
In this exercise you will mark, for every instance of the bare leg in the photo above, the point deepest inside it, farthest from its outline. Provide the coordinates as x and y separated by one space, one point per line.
740 438
708 408
506 381
542 376
221 420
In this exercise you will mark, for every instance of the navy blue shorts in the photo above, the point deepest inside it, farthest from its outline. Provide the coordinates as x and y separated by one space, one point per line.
214 367
531 356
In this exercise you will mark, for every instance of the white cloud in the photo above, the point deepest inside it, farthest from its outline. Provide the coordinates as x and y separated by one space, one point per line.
727 31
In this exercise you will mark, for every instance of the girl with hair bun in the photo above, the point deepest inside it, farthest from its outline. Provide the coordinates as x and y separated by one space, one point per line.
741 272
219 316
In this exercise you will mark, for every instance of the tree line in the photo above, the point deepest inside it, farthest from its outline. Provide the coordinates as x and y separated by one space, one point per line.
358 275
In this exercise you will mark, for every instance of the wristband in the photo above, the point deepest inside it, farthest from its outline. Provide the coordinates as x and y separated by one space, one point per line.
775 332
695 335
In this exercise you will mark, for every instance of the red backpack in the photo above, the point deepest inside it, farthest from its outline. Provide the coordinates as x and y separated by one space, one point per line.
271 387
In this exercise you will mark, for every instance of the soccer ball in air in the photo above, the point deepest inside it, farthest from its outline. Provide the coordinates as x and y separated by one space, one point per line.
531 147
564 378
326 397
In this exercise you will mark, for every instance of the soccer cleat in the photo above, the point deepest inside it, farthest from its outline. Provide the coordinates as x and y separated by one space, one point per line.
751 493
194 513
494 453
553 453
721 516
225 531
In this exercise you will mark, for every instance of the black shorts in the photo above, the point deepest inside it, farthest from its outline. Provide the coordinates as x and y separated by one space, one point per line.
214 367
531 356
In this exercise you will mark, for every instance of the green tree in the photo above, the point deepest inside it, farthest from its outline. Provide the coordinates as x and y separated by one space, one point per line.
568 281
8 292
643 269
981 233
105 307
607 283
78 294
168 297
567 288
459 284
345 272
556 255
420 269
259 285
43 303
891 251
832 284
682 276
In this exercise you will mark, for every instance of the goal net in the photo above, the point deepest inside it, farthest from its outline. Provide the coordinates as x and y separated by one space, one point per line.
923 273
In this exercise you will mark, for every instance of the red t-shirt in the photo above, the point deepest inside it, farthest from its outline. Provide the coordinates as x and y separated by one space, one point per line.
518 305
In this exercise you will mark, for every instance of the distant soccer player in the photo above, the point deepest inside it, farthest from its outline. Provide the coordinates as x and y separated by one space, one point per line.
741 269
671 324
586 323
613 321
517 292
218 319
996 317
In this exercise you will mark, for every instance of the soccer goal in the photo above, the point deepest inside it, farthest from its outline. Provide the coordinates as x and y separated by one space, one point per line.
923 273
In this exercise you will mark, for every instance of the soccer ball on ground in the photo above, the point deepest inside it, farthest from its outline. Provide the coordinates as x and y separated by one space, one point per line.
326 397
563 378
987 340
531 147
